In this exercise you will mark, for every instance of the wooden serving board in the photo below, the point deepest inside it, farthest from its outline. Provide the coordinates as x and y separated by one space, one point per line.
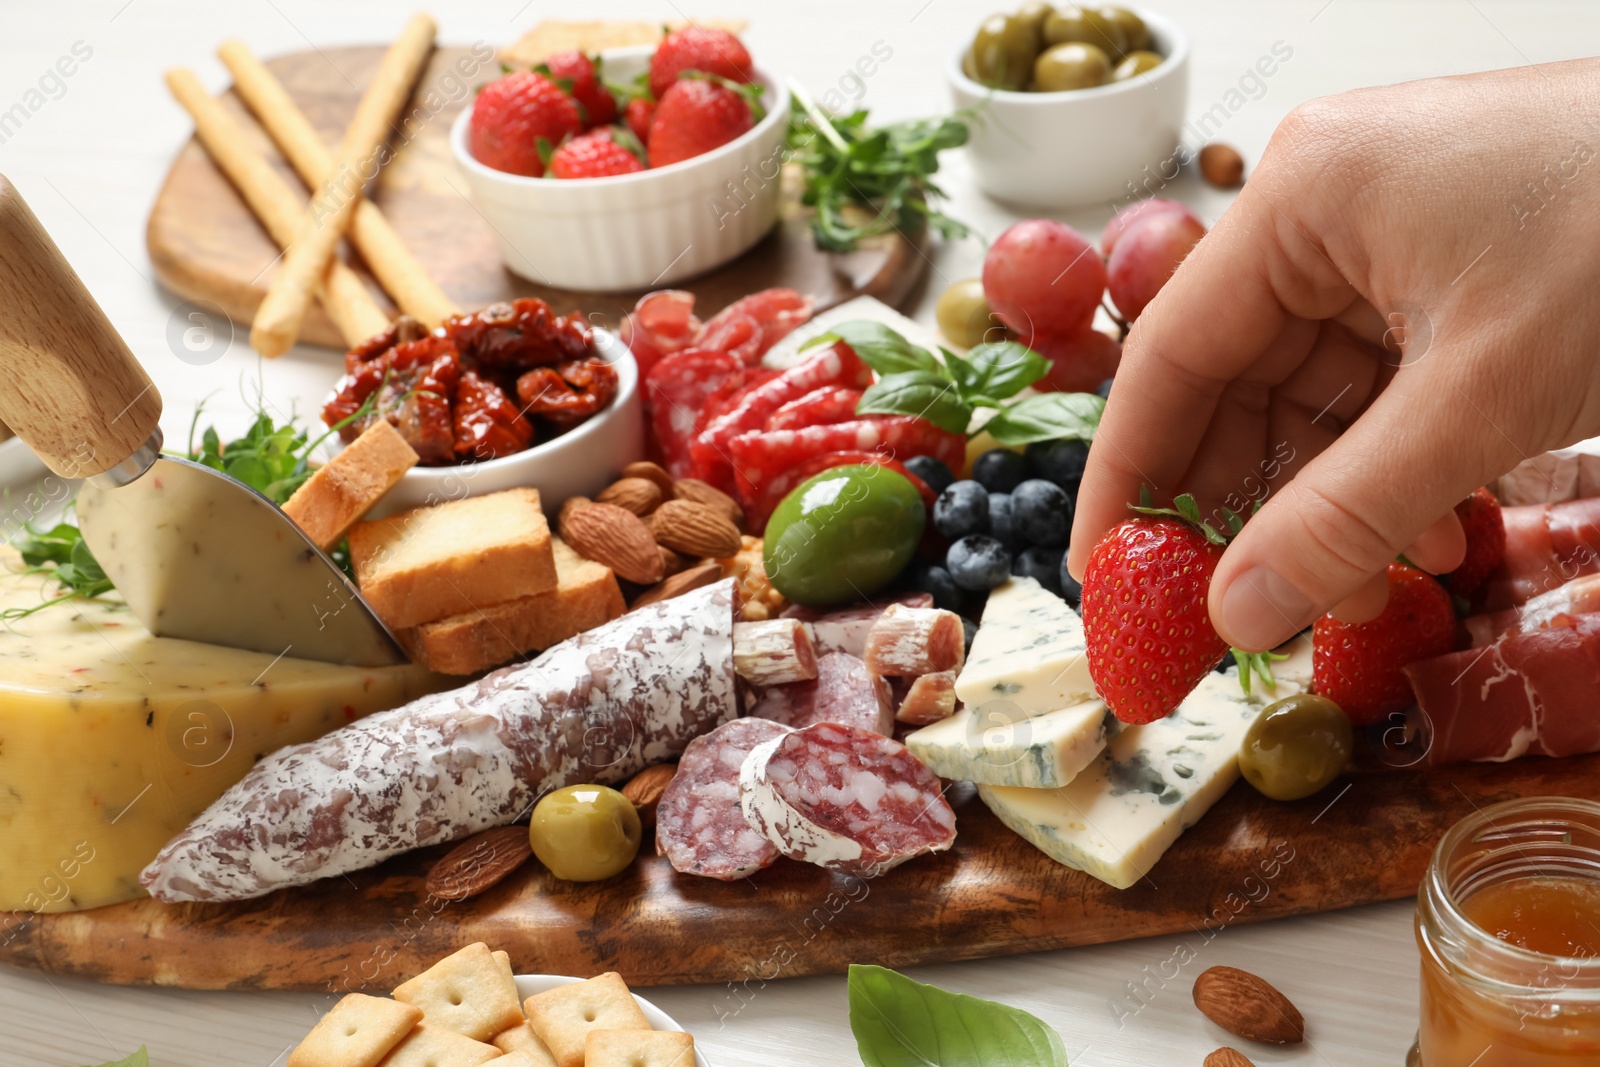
207 246
1362 840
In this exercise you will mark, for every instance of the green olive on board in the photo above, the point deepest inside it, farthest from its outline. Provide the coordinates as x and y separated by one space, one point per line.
584 833
1004 50
1074 65
1135 64
1070 23
1296 747
1136 33
965 317
843 535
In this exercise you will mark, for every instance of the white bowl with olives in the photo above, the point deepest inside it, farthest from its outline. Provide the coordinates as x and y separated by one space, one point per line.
1073 105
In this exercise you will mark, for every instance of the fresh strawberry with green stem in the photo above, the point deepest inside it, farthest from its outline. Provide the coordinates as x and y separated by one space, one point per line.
513 115
1360 666
695 116
1485 528
1150 638
702 48
638 114
580 75
593 155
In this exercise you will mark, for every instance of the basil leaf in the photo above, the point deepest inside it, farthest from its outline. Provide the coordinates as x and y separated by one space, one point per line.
999 369
1047 417
920 393
901 1023
138 1058
879 347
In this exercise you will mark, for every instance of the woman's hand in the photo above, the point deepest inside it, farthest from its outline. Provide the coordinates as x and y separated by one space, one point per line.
1402 305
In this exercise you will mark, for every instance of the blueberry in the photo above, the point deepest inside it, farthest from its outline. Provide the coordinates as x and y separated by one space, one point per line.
930 470
962 509
1000 470
1041 564
936 581
1002 525
1041 511
978 563
1224 663
1103 391
1060 462
1071 591
969 630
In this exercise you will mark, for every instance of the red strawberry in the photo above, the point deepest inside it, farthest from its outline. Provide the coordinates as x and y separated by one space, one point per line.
511 116
593 155
599 106
1486 542
1144 612
1359 665
695 116
702 48
639 113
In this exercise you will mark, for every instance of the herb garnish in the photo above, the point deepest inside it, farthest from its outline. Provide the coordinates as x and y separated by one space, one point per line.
901 1023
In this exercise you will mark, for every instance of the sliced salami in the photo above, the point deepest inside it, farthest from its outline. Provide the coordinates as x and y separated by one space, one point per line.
847 630
845 799
820 407
700 827
928 699
906 642
676 389
597 708
844 692
758 456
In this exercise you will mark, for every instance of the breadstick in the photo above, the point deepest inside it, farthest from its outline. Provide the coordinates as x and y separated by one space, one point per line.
275 204
280 315
400 273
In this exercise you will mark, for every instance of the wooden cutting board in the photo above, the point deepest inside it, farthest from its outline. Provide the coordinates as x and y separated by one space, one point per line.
1362 840
207 246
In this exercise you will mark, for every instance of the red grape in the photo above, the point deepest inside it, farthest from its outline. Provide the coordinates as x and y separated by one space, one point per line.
1042 276
1137 212
1079 361
1147 255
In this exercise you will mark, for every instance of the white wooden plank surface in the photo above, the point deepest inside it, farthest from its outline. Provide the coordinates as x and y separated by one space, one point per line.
91 158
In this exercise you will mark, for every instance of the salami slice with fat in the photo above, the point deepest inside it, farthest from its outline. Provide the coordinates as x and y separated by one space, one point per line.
843 692
845 799
597 708
699 825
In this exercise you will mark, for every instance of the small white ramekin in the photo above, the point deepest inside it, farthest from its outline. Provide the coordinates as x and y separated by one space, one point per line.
580 462
1068 149
635 231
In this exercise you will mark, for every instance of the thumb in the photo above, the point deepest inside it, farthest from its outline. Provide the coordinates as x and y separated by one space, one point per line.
1343 517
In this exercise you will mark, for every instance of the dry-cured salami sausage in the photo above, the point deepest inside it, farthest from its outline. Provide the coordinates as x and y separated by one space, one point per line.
699 826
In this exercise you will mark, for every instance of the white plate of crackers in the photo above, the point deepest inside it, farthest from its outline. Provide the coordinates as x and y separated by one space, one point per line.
469 1009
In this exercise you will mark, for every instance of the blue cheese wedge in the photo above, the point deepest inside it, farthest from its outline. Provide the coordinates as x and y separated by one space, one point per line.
995 748
1030 652
1119 815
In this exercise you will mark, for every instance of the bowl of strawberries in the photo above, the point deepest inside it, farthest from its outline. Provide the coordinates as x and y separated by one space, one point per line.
635 168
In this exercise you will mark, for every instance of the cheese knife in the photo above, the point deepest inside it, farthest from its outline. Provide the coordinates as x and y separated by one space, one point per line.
196 554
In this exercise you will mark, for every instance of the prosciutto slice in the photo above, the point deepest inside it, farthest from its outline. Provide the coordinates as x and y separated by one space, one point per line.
1547 545
1581 596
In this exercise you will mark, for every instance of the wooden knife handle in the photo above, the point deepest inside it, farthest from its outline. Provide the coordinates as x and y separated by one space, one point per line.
69 386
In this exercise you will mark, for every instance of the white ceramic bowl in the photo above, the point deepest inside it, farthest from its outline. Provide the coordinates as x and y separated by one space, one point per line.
580 462
635 231
529 984
1102 145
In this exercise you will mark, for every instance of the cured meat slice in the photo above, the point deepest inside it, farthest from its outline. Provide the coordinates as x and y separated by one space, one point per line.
847 629
820 407
776 311
1581 596
597 708
1527 694
662 323
759 456
700 827
676 390
906 642
1547 545
773 652
845 799
929 699
844 692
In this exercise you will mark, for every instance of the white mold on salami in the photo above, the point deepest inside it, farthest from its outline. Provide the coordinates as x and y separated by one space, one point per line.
700 827
597 708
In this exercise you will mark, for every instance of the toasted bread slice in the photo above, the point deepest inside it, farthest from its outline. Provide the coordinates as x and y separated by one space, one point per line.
345 488
433 562
474 641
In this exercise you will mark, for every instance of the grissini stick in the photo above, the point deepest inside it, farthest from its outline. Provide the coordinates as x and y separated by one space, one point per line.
281 313
400 273
275 204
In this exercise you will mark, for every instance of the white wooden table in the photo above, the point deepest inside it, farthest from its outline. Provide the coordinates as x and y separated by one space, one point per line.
90 152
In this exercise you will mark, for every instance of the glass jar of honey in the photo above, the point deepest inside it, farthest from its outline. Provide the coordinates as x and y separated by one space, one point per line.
1508 923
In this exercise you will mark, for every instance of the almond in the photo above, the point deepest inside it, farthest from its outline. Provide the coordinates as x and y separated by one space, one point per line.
696 577
671 562
697 492
650 472
479 862
616 537
572 503
1248 1006
1222 166
695 529
638 495
1228 1057
646 787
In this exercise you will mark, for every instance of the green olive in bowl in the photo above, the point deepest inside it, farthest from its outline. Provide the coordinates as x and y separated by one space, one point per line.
1070 24
1075 65
1135 64
585 833
1296 747
1134 31
1004 50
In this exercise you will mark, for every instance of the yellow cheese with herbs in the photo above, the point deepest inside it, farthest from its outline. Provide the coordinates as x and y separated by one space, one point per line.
112 740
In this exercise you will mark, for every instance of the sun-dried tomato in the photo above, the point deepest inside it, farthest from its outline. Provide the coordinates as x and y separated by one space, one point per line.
488 425
519 335
414 382
404 328
569 392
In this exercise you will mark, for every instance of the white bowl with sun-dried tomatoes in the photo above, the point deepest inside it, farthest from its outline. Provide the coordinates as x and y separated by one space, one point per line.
643 230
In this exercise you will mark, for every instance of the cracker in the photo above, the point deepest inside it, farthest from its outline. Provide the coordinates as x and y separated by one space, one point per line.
357 1032
563 1016
633 1048
429 1046
469 992
523 1048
